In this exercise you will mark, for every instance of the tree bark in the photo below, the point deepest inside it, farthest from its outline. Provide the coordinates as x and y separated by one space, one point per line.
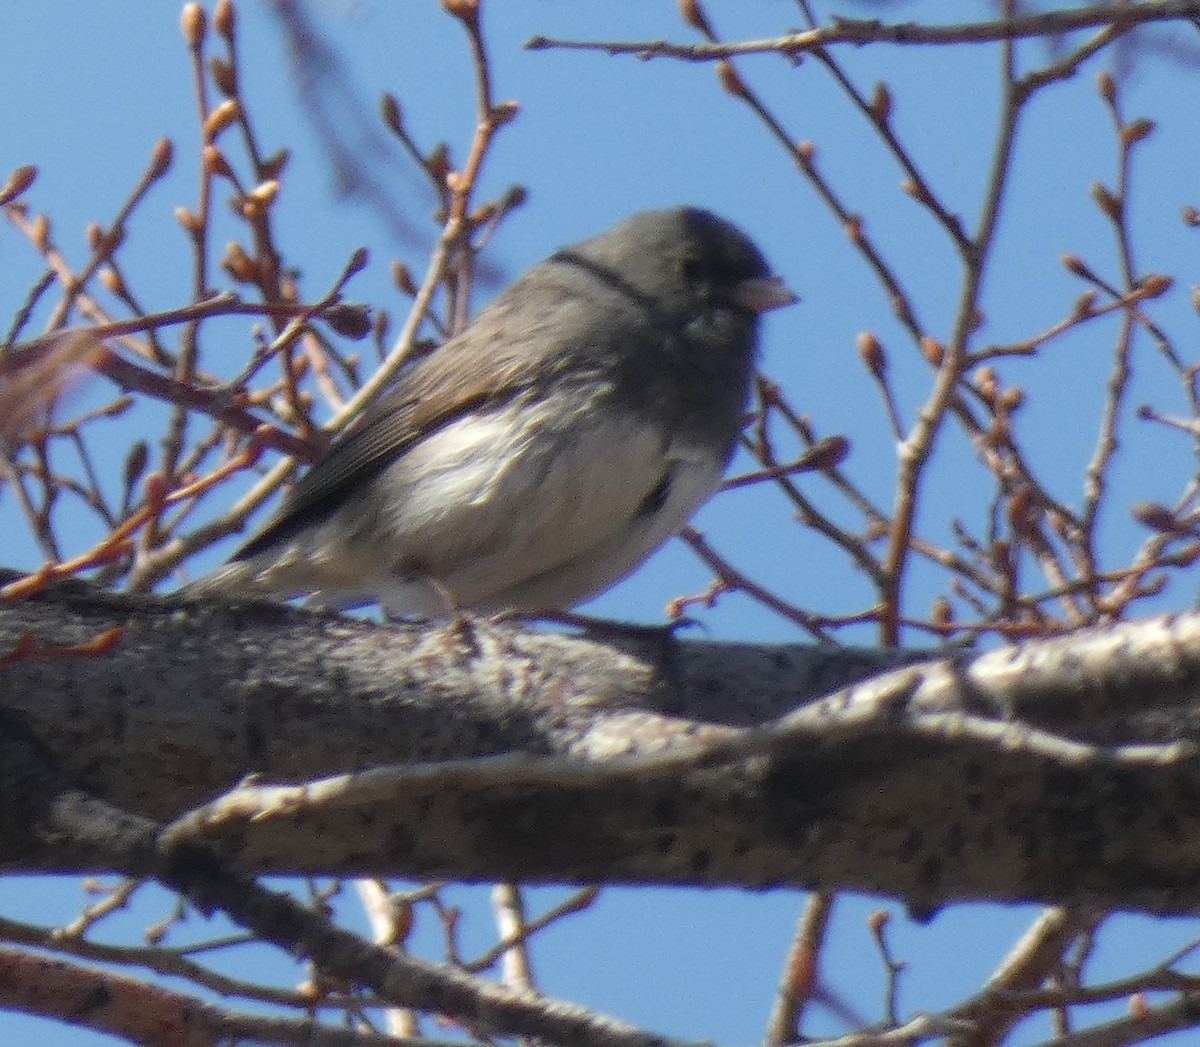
1064 771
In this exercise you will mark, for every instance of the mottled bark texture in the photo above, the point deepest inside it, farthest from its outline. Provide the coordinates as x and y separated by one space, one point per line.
1062 771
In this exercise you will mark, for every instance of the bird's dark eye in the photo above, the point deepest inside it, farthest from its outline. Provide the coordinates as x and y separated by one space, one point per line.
693 270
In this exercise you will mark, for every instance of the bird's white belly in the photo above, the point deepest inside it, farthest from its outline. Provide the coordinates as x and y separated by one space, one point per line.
506 510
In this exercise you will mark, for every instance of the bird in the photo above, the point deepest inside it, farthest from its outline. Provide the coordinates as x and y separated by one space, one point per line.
535 459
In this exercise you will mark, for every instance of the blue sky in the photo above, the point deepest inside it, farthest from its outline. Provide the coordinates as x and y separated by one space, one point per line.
91 87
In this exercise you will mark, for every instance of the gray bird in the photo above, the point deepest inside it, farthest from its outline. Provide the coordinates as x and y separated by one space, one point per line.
538 457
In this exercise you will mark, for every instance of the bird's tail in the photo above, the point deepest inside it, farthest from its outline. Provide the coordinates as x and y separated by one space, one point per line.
236 576
276 581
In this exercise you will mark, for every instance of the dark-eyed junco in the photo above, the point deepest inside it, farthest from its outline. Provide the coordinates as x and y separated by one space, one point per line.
541 455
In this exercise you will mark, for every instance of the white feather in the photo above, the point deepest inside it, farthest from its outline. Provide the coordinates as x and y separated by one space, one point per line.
518 508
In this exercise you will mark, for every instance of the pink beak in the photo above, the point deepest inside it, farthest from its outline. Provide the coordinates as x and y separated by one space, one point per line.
763 293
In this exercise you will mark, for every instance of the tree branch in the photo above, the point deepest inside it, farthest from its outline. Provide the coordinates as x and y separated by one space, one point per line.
860 31
1064 771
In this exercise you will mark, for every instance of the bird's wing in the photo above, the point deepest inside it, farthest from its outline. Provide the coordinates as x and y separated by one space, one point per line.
463 375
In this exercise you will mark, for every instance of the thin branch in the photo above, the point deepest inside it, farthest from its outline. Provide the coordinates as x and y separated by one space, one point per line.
858 32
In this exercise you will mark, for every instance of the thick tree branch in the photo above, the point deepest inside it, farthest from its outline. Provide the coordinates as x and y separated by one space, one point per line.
210 882
1064 771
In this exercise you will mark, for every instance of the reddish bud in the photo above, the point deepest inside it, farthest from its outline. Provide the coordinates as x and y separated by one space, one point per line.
356 263
871 353
827 453
264 193
693 15
154 489
20 180
111 280
503 112
187 219
223 75
273 165
215 162
402 278
729 79
39 232
1154 284
225 19
1157 518
881 103
464 10
514 196
192 23
391 113
987 384
1011 399
160 157
349 319
238 264
1106 200
220 118
1024 514
1136 130
1084 305
933 350
1188 555
1076 265
135 463
438 162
